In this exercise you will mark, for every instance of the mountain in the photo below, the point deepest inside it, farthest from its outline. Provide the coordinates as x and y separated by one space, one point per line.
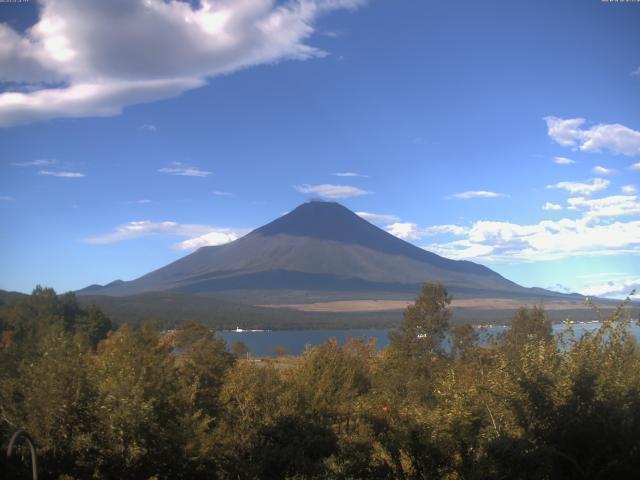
320 250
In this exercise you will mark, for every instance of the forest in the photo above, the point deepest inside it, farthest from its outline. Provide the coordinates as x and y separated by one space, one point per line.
143 403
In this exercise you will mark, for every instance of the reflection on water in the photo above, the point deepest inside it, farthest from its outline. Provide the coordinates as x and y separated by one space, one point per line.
294 341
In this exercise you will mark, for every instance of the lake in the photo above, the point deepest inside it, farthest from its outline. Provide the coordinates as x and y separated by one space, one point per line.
262 344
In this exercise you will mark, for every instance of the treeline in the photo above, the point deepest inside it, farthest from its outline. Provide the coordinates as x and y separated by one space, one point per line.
139 403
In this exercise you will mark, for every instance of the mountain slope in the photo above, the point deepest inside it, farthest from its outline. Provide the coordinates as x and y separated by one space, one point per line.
319 246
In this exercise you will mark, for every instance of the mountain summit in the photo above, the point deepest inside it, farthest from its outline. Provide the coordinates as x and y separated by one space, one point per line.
318 247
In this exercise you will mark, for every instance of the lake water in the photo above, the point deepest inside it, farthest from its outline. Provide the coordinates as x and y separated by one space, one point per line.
262 344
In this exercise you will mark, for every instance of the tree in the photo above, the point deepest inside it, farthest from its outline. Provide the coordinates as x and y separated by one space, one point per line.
239 348
425 323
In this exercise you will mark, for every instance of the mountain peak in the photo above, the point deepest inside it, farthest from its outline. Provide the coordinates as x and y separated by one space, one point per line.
321 220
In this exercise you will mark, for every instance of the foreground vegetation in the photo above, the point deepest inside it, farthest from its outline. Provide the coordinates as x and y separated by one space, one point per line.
139 403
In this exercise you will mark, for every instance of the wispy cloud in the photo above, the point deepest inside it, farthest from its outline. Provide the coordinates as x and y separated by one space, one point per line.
6 198
628 189
475 194
220 193
378 217
42 162
588 187
141 201
636 72
614 138
350 174
148 127
563 161
62 174
635 167
411 231
551 206
199 235
603 170
183 170
327 190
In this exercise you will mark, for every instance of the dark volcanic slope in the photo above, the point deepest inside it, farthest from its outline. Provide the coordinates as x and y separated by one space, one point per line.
320 246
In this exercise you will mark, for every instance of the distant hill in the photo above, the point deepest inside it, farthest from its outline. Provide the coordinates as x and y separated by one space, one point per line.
322 250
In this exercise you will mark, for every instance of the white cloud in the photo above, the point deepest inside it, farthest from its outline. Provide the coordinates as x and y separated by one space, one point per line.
613 206
62 174
6 198
35 163
635 167
551 206
350 174
148 127
613 289
546 240
182 170
614 138
411 231
476 194
141 201
327 190
405 230
628 189
598 170
563 161
582 188
378 217
199 235
96 53
220 193
207 240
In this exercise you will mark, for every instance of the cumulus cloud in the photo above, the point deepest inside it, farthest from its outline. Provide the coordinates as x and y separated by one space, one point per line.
613 289
551 206
405 230
62 174
582 188
612 206
210 239
629 189
475 194
182 170
635 167
91 57
328 190
614 138
598 170
378 217
563 161
199 235
43 162
546 240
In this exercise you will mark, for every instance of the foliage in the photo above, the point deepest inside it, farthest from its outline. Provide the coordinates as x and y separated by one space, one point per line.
436 403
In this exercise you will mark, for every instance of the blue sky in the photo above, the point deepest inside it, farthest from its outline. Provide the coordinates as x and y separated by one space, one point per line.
133 132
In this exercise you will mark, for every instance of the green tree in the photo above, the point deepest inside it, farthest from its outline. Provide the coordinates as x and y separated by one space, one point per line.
425 323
